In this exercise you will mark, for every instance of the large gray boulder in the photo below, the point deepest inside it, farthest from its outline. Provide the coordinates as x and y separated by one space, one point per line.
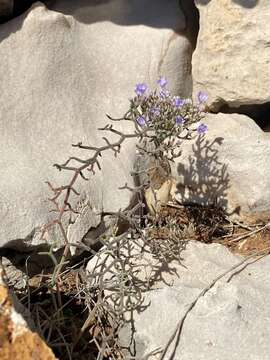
61 72
230 321
229 165
231 60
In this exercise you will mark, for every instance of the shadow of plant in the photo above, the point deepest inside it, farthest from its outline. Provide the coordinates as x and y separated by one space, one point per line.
205 178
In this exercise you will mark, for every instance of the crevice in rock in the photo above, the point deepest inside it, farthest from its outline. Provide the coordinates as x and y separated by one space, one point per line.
191 14
260 113
37 260
192 20
19 7
14 9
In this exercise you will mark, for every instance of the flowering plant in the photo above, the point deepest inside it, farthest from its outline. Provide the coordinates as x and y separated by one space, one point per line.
166 115
164 120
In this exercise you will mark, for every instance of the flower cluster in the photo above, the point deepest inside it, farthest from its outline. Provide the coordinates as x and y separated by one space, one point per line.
165 114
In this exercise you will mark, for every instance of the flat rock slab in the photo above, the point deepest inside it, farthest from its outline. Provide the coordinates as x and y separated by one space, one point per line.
231 321
61 71
231 60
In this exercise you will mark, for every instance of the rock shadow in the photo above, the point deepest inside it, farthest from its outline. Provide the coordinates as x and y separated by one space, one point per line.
14 22
249 4
11 28
18 7
153 13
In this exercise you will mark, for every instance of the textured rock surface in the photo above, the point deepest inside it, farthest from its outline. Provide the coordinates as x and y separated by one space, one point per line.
230 321
61 72
231 60
231 164
16 340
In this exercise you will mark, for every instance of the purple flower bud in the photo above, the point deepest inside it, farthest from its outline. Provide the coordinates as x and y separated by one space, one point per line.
202 97
141 121
162 82
179 120
155 111
202 128
140 89
178 102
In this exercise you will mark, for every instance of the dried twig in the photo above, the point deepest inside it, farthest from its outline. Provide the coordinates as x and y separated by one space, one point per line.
248 234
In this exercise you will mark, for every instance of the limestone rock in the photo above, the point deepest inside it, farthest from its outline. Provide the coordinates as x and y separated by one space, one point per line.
230 321
231 61
61 71
230 165
17 341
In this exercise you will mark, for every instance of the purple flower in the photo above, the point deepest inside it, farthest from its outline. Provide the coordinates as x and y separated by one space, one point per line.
140 89
141 121
178 102
202 128
162 82
179 120
155 111
202 97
